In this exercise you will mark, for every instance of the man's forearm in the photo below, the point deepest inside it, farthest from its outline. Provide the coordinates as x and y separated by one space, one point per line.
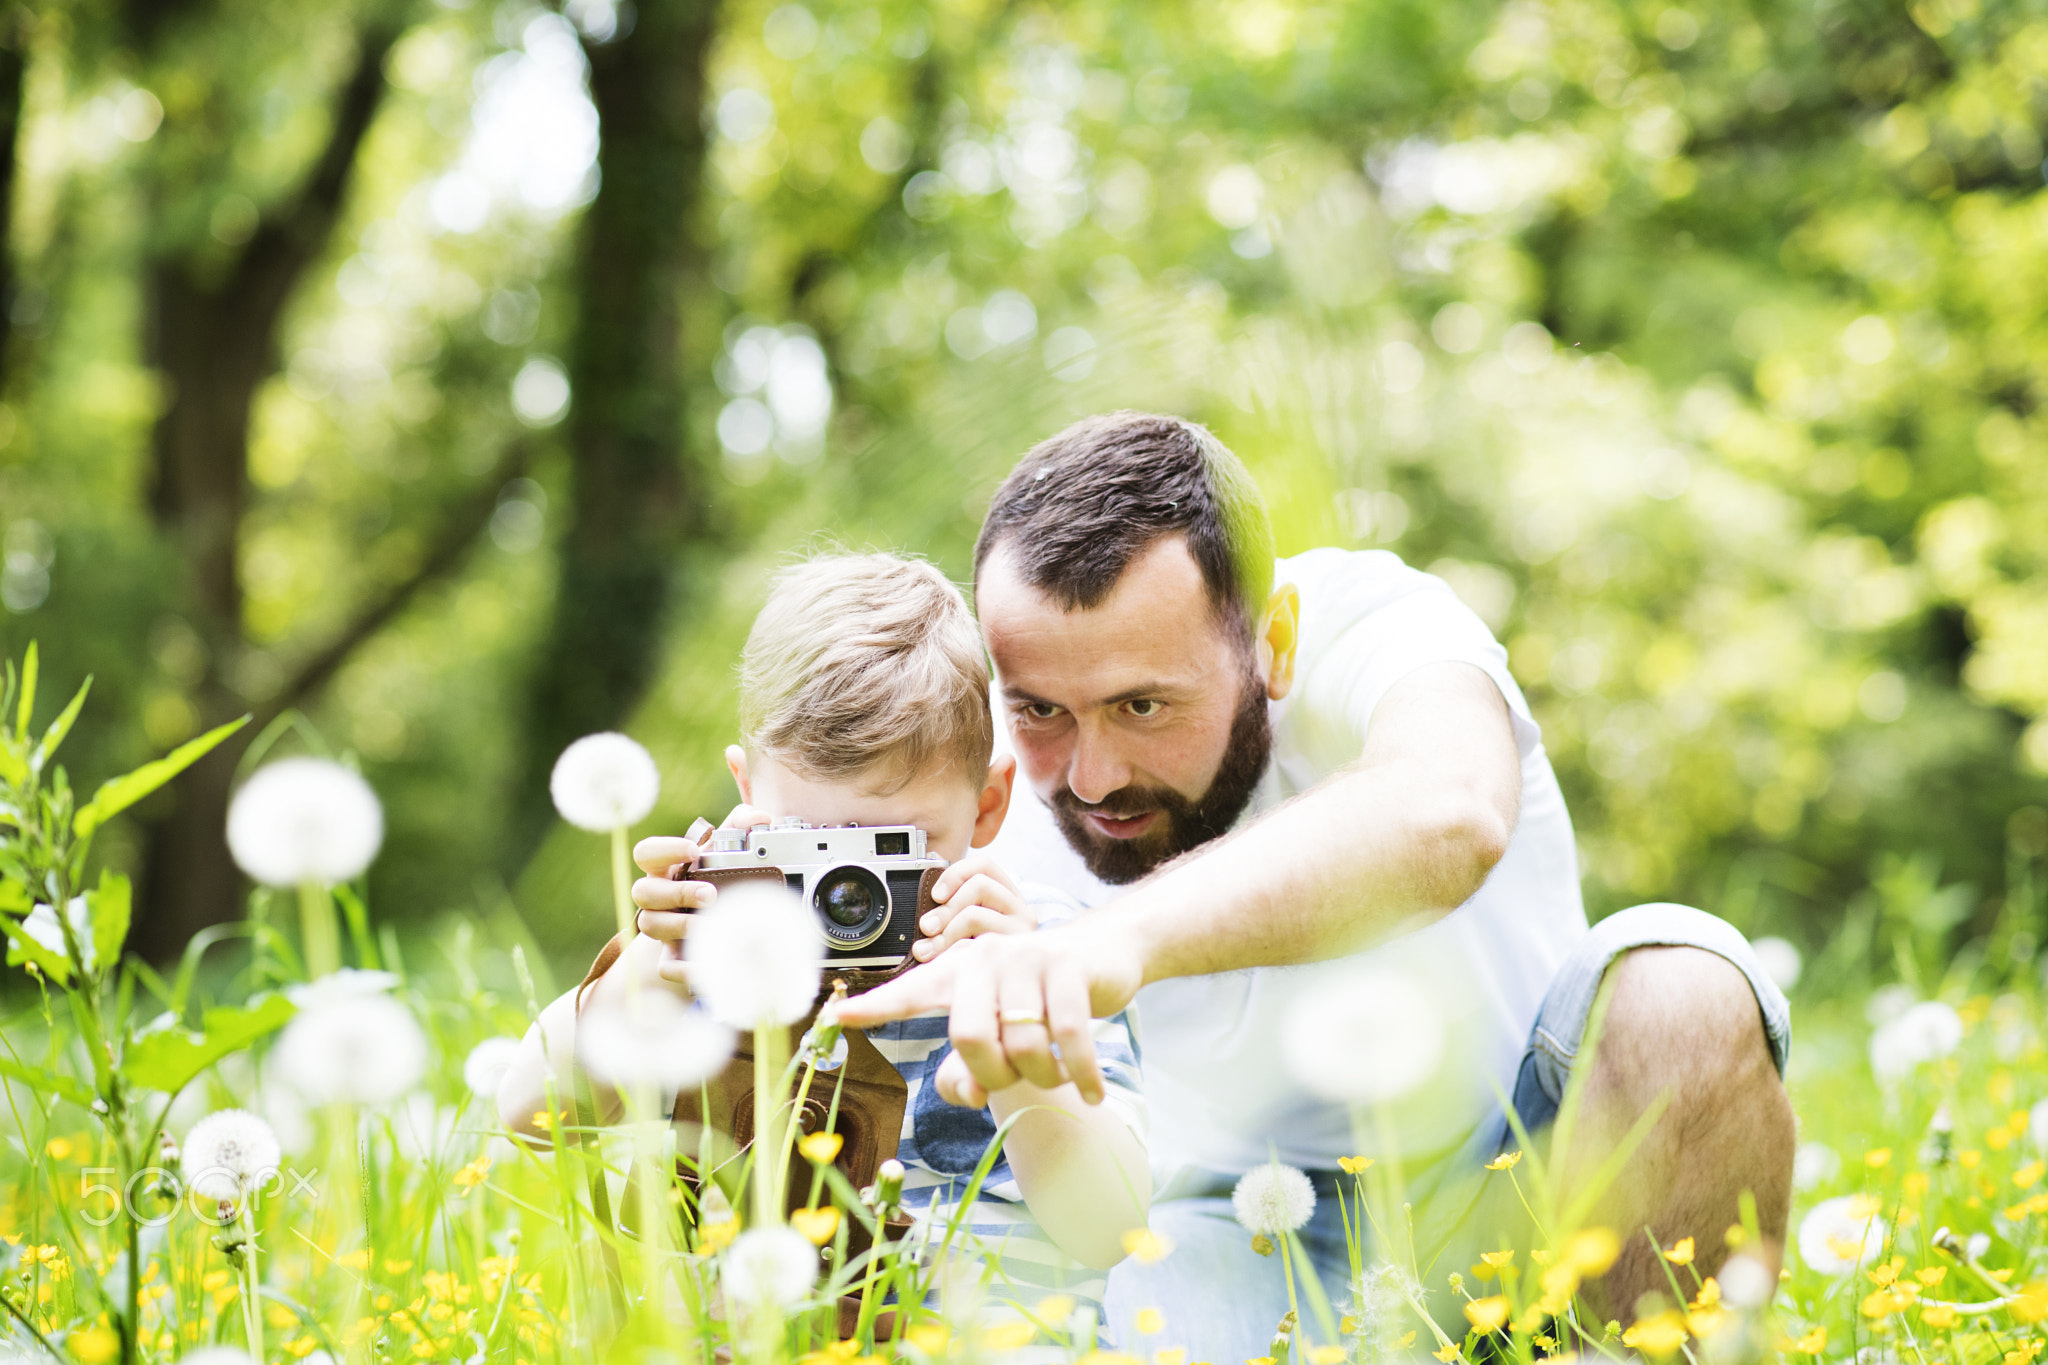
1369 854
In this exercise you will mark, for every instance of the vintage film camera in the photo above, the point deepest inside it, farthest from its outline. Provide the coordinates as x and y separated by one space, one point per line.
868 886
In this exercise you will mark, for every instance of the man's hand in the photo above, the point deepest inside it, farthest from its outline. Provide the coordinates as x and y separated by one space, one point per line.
975 896
1014 999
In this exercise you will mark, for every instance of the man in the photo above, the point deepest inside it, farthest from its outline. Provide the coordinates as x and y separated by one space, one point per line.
1249 768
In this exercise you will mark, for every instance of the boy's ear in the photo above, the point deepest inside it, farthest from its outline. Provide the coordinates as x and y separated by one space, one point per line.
736 764
994 802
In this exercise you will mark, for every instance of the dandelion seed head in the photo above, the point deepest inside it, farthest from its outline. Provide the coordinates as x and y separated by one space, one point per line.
604 782
341 984
1814 1164
770 1268
230 1153
753 957
1364 1037
487 1064
1781 960
652 1039
1746 1282
304 820
1273 1199
364 1050
1926 1032
1838 1234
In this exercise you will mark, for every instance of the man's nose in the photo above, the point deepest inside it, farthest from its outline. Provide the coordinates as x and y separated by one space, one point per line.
1097 768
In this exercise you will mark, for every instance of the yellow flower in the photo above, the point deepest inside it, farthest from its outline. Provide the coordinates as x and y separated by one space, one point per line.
717 1236
1659 1335
1260 1360
474 1174
1109 1358
1262 1244
2029 1175
1325 1355
1504 1162
1405 1342
1497 1259
929 1337
1591 1251
1173 1355
1882 1304
1812 1344
817 1225
1931 1275
1938 1315
1055 1308
821 1147
2030 1305
1150 1322
1448 1353
95 1345
543 1120
1487 1314
1681 1254
1147 1246
1709 1295
58 1148
1352 1165
1008 1336
1877 1156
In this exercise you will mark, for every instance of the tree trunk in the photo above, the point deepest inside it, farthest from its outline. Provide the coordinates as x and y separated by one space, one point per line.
214 340
13 75
634 498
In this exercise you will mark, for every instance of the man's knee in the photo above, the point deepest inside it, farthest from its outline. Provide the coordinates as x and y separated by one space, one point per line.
1683 1020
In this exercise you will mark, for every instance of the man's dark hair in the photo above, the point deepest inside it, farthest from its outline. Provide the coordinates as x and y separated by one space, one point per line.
1080 506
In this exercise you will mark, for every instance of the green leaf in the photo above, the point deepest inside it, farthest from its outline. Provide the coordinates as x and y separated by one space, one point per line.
14 898
168 1059
28 693
47 1082
24 949
59 728
120 793
111 904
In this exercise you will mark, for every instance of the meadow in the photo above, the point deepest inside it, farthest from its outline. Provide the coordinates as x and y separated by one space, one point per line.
288 1150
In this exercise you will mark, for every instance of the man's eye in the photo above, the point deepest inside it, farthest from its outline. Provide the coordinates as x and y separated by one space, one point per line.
1144 709
1041 710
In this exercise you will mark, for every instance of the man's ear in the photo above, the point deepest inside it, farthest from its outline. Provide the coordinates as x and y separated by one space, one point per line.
1279 633
736 764
994 802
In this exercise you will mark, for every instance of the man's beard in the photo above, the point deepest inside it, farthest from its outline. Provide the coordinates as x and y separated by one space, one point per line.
1186 824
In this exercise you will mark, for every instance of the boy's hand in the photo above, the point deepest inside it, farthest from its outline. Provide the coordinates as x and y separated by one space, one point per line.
974 897
665 900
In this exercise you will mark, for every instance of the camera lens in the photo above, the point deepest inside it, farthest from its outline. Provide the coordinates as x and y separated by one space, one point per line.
846 902
852 906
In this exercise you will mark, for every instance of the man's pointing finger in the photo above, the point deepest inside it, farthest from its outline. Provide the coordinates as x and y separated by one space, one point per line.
918 991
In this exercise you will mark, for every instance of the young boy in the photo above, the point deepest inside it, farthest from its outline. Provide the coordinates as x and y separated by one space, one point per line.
864 700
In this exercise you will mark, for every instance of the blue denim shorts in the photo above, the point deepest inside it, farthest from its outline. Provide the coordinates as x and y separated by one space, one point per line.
1560 1027
1220 1295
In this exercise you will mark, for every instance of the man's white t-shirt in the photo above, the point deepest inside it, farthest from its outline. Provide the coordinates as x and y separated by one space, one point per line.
1217 1081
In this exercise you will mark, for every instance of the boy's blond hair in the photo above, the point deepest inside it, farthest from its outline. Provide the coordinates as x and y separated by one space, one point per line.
866 665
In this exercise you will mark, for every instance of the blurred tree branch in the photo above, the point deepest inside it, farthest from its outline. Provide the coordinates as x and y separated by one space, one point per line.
459 529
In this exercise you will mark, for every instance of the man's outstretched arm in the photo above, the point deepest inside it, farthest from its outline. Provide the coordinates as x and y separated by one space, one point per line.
1394 842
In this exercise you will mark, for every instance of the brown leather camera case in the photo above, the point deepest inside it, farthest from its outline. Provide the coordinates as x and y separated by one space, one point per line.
872 1094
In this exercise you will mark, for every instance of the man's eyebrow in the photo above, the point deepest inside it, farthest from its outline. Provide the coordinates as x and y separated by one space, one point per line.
1017 696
